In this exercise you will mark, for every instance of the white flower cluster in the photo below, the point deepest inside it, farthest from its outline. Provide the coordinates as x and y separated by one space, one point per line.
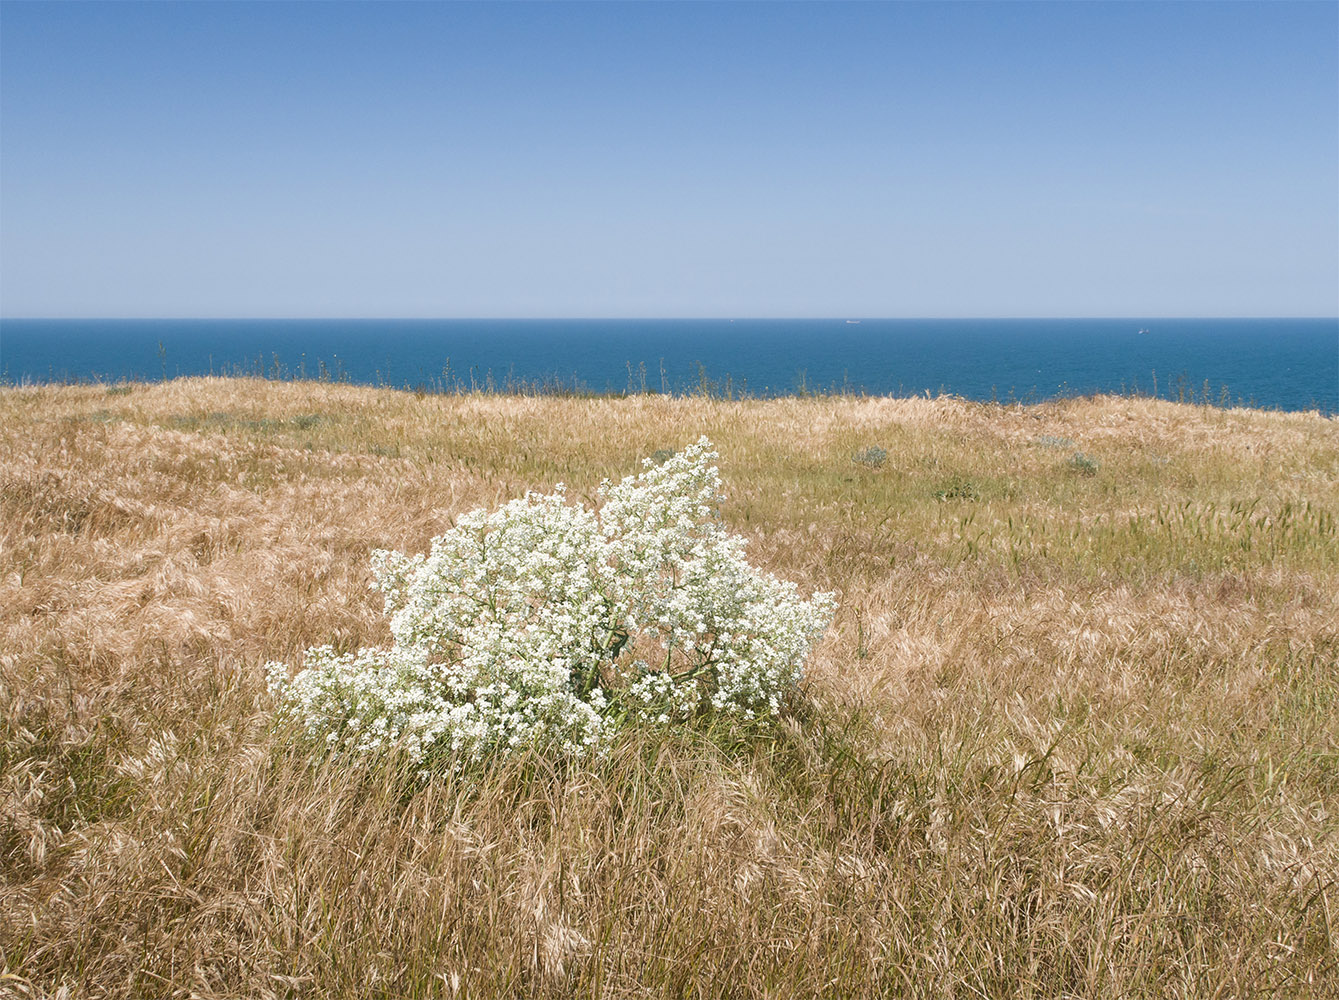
546 622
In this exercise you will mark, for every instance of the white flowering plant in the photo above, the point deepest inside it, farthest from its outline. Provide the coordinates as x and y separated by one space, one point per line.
547 623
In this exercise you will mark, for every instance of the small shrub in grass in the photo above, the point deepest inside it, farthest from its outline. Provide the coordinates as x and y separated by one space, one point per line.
1051 441
545 623
958 488
873 456
1084 465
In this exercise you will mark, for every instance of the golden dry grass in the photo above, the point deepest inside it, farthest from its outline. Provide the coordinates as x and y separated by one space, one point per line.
1072 735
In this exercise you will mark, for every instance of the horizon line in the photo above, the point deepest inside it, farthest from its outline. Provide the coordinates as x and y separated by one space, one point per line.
845 317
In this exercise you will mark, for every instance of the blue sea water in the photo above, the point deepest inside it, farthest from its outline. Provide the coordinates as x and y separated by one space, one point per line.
1289 364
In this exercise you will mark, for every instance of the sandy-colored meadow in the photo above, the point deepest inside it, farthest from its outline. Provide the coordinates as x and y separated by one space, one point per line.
1074 731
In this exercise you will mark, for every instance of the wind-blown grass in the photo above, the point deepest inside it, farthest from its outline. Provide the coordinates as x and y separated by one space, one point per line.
1071 735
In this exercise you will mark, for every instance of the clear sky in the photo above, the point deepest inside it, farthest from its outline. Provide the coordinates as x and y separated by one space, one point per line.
643 160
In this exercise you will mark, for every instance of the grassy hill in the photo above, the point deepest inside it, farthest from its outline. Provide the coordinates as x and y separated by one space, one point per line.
1074 732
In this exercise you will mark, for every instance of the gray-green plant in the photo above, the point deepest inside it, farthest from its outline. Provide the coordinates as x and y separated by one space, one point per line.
872 456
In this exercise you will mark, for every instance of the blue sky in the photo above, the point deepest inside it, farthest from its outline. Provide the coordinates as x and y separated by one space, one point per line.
462 160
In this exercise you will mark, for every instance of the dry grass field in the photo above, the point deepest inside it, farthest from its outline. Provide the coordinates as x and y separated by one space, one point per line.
1074 732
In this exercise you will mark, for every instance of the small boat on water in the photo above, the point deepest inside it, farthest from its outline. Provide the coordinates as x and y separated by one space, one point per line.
853 321
1144 330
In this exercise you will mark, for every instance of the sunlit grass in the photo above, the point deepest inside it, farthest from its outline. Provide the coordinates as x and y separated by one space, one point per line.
1074 733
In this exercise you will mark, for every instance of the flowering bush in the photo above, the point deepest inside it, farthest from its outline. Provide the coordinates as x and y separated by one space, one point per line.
544 622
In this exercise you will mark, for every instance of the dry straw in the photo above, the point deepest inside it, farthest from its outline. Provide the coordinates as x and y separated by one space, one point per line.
1072 735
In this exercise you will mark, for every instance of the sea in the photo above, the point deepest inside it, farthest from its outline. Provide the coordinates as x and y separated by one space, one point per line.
1285 364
